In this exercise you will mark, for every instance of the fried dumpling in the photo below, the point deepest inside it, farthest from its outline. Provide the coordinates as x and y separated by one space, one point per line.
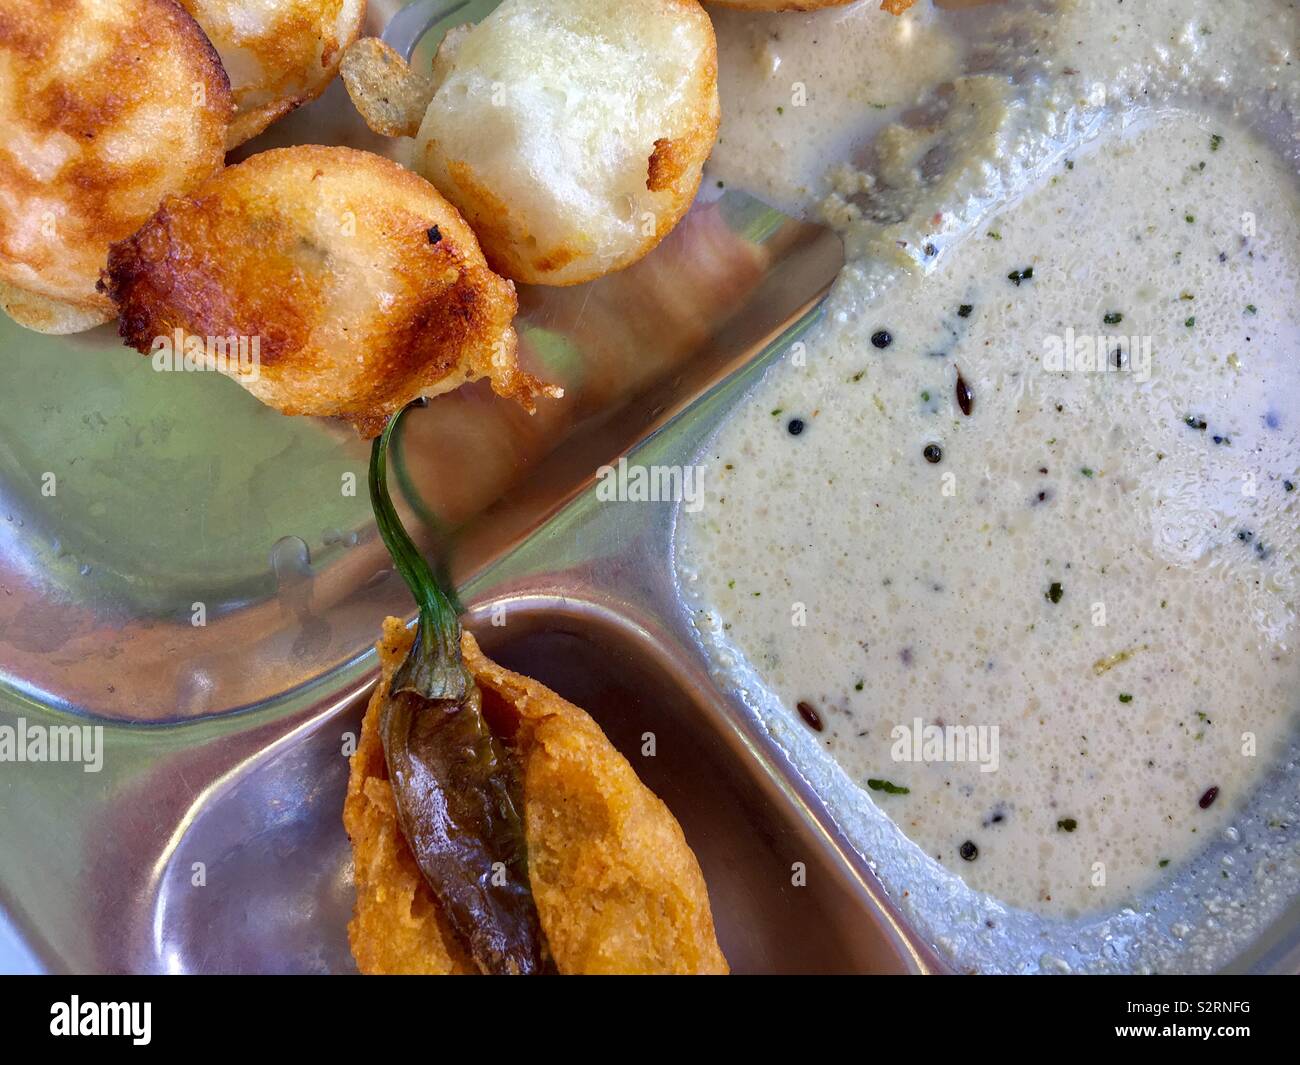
617 888
279 53
571 134
358 287
106 106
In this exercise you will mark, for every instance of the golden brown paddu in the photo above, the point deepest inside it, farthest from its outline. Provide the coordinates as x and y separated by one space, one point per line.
572 134
363 287
617 888
279 55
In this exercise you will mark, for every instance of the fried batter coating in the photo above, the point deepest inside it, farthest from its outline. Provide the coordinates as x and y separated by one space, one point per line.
571 134
279 54
361 286
106 106
617 888
396 925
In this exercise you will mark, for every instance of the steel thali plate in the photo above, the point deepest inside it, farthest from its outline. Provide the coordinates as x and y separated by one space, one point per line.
211 839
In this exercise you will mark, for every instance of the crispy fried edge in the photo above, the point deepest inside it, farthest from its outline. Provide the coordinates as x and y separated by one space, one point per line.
581 888
617 887
388 94
41 314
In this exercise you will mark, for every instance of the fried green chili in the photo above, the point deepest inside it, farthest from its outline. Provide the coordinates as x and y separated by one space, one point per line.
457 787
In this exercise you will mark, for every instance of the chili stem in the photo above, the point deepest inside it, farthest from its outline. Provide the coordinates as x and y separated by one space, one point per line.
433 668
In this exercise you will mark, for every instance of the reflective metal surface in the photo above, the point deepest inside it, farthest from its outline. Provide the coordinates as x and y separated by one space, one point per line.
211 839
